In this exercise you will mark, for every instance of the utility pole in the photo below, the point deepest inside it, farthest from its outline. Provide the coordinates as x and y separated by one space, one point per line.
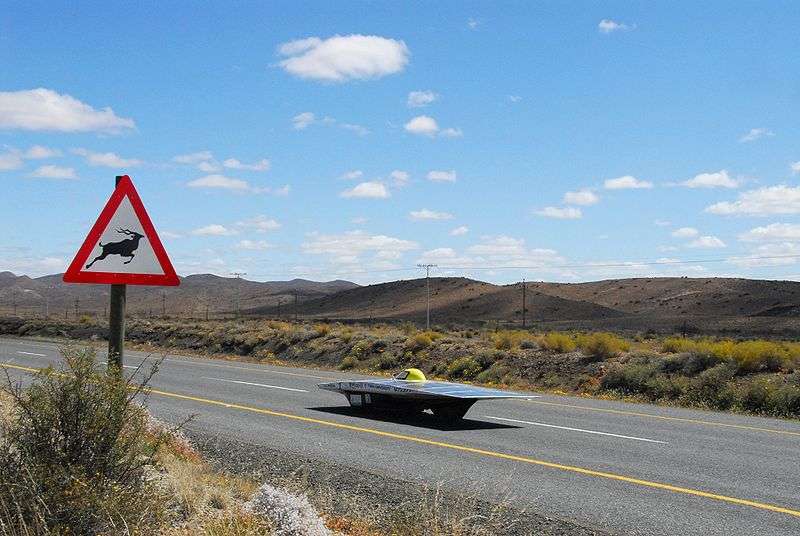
77 307
428 292
523 303
280 301
295 306
238 276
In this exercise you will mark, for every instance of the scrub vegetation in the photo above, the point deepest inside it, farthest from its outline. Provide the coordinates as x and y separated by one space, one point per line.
756 376
80 454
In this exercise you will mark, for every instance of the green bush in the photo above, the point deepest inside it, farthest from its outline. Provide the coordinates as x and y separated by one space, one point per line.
348 363
602 345
75 456
494 374
558 342
463 368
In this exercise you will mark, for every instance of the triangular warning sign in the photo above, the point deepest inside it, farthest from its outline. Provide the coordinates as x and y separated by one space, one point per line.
122 247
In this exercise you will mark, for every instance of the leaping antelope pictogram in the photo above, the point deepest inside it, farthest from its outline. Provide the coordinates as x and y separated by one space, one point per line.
123 248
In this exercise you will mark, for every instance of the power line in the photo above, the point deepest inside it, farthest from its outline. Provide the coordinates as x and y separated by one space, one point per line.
428 292
238 276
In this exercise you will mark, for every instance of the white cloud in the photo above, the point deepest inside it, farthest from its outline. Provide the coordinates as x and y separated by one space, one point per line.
761 202
626 182
514 98
193 158
422 125
426 214
685 232
720 179
442 175
581 197
342 58
359 220
209 166
662 223
358 129
260 224
214 229
561 213
368 189
512 252
54 172
399 178
451 133
707 242
473 24
459 231
39 152
283 191
355 243
772 232
253 245
667 248
261 165
756 134
44 109
106 159
303 120
778 254
235 185
10 160
354 174
418 99
795 166
608 26
169 235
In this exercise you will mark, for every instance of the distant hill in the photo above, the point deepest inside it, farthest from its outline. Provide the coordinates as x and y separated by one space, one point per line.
195 293
664 304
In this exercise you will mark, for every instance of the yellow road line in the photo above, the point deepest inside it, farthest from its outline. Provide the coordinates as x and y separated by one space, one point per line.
667 418
472 450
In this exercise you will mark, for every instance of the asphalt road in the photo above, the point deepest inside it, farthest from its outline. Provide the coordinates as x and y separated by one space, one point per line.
626 468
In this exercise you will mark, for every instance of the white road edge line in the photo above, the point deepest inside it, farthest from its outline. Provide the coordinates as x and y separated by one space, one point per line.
31 353
257 384
578 430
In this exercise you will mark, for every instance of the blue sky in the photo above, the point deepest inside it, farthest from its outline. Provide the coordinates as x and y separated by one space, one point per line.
551 141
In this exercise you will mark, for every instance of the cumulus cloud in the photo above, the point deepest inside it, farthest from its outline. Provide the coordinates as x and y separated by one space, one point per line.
106 159
561 213
777 254
427 215
607 26
459 231
261 165
354 244
39 152
581 197
368 189
44 109
772 232
720 179
795 166
399 178
303 120
344 57
707 242
442 175
685 232
422 125
260 224
626 182
253 245
512 252
358 129
419 99
54 172
756 134
216 181
214 229
761 202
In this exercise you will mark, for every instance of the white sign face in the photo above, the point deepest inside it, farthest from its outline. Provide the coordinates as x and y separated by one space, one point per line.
123 246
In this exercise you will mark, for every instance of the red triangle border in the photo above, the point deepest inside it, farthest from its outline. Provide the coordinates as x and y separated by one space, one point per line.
75 273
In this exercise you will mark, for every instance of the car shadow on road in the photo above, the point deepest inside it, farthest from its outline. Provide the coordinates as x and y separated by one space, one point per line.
420 420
